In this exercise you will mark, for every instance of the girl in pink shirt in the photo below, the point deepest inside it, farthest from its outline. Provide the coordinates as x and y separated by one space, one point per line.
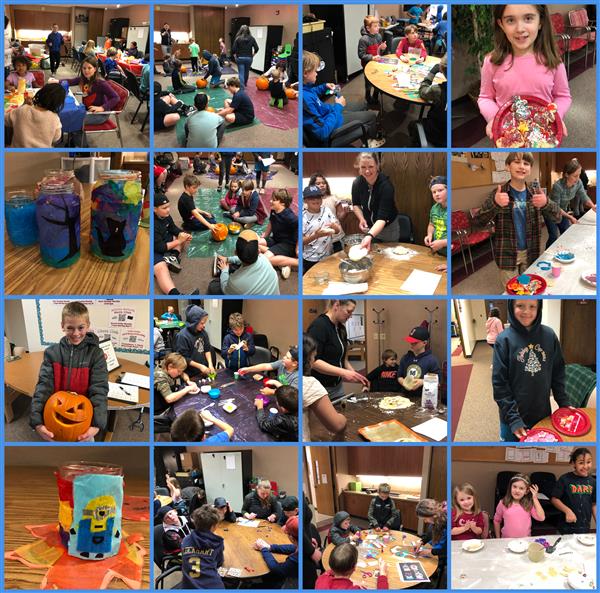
525 61
493 326
517 507
468 521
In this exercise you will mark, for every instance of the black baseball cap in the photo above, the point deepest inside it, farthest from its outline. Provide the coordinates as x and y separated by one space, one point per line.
312 191
220 502
417 334
160 199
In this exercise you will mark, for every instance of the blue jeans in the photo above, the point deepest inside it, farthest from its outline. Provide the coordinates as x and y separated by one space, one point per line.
506 434
555 229
243 64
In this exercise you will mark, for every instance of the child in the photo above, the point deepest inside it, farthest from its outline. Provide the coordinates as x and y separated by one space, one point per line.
342 532
90 49
223 507
169 241
528 365
238 162
222 52
289 506
203 128
21 64
193 218
110 63
383 513
281 67
189 427
319 224
171 382
168 65
238 110
133 51
338 207
417 363
370 47
434 516
194 344
277 90
238 344
230 201
194 53
261 170
525 61
75 364
517 507
286 369
574 494
437 229
283 425
170 314
279 240
37 125
411 45
517 215
175 528
493 327
202 551
246 211
342 563
213 70
385 376
281 574
179 85
434 123
468 521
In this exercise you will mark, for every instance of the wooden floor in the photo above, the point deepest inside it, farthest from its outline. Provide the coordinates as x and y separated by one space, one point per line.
25 273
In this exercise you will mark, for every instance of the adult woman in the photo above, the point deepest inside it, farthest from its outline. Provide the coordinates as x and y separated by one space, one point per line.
261 504
373 201
568 187
166 41
314 395
331 366
244 48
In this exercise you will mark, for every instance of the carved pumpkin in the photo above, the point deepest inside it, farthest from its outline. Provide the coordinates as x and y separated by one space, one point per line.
262 83
183 70
219 233
291 94
232 170
201 83
68 415
217 170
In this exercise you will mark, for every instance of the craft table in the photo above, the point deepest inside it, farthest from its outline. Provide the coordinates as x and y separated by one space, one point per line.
25 273
401 538
243 392
170 329
31 498
387 273
590 437
579 238
495 567
22 377
365 413
239 550
134 67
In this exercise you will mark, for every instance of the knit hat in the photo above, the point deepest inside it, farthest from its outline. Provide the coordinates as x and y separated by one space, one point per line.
193 314
160 515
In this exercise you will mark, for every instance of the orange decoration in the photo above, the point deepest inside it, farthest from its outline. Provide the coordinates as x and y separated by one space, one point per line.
201 83
211 109
183 69
232 170
291 94
262 83
68 415
219 233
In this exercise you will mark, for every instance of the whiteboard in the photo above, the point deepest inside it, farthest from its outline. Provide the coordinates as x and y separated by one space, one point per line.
139 35
260 34
354 15
125 322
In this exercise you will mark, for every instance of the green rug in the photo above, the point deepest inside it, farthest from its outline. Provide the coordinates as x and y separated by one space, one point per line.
202 244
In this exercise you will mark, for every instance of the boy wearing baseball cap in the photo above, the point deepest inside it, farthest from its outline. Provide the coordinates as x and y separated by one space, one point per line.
417 362
224 509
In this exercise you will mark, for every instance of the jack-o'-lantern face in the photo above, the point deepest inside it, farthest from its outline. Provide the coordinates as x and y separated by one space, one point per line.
220 232
67 415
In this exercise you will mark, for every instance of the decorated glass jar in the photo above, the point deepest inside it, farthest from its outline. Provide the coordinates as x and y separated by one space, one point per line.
58 215
21 224
116 209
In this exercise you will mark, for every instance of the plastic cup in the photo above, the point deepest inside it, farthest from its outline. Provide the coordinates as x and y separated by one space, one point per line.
535 552
556 269
236 375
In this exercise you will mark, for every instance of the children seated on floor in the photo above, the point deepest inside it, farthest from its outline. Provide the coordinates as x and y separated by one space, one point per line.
283 424
203 128
238 344
230 201
213 70
384 378
239 110
179 85
194 219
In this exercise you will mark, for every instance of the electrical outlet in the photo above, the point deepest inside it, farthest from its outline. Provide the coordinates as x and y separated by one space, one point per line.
376 336
382 336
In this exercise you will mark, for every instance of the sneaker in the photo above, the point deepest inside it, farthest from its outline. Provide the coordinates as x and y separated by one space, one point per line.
215 267
285 272
248 225
172 263
375 142
220 189
261 190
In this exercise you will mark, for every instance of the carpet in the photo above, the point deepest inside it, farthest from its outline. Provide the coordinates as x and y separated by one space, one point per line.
458 351
282 119
251 175
460 382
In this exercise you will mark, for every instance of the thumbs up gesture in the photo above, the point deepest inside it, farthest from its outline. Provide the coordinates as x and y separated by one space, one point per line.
501 198
539 200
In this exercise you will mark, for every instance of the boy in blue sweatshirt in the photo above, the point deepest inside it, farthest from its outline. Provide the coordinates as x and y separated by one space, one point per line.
417 362
281 574
213 69
202 551
238 344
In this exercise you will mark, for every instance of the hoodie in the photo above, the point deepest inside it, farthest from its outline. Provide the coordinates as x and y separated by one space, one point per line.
418 366
338 535
191 343
328 581
202 554
368 46
80 368
238 358
319 119
528 365
383 513
214 68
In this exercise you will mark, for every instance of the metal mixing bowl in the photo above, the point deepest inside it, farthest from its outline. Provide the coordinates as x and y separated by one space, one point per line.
356 271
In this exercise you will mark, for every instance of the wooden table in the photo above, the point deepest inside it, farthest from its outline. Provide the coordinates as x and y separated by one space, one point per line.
31 498
395 582
22 377
590 437
387 273
25 273
364 413
239 550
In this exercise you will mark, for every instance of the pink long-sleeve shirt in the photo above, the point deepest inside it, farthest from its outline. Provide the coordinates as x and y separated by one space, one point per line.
493 327
517 521
524 77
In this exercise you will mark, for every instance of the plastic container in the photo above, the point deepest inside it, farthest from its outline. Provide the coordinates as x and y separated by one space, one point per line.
21 224
117 202
58 215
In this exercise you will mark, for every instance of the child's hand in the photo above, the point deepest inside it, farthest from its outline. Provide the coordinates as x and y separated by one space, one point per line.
206 415
520 432
427 241
192 388
90 433
245 346
382 567
404 59
243 370
534 490
488 129
267 391
501 198
272 518
44 432
261 544
330 86
420 60
258 403
539 200
437 245
570 517
341 101
222 262
231 349
383 46
52 80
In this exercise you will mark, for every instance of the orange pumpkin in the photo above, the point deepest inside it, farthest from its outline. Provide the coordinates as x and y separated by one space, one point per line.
262 83
232 170
291 94
183 69
211 109
219 233
201 83
68 415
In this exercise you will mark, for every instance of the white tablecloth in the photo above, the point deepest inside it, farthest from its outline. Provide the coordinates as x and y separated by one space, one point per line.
495 567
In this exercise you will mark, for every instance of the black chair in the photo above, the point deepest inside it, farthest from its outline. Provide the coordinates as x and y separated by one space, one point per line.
159 580
163 558
502 481
406 229
133 86
394 45
162 491
546 482
345 135
260 356
261 340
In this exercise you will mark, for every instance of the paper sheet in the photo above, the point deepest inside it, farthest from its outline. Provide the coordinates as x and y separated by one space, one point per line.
247 523
229 461
125 393
436 429
345 288
135 379
268 162
420 282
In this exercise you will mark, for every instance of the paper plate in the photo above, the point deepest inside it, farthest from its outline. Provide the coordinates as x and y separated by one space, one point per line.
577 581
472 545
518 546
571 421
589 277
587 539
565 257
230 407
526 285
205 388
541 435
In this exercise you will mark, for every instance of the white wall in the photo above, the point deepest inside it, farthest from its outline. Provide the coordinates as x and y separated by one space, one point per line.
466 325
551 314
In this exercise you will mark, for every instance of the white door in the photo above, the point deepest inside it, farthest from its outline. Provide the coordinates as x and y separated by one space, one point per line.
223 477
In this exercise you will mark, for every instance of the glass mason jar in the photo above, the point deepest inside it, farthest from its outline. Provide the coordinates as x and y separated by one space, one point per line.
58 209
21 224
116 209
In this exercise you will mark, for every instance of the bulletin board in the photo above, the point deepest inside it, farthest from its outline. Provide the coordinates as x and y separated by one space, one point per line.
475 169
556 455
125 322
